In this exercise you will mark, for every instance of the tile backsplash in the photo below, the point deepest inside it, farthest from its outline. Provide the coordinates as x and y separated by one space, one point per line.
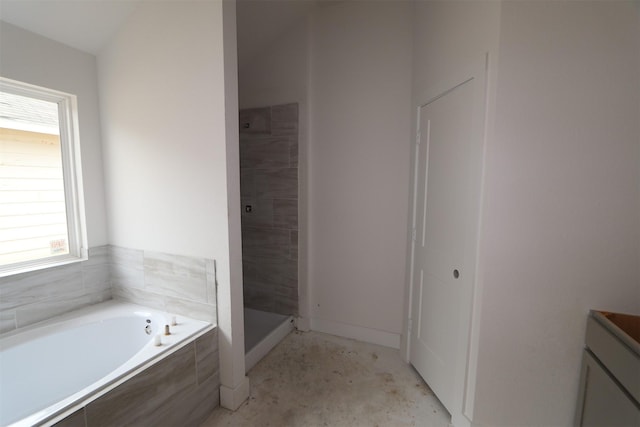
181 285
31 297
173 283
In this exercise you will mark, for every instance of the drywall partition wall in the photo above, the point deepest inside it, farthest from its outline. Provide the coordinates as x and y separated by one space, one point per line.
562 221
273 72
360 74
171 157
235 385
162 103
37 60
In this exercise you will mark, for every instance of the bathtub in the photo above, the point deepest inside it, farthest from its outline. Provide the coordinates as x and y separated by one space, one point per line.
52 369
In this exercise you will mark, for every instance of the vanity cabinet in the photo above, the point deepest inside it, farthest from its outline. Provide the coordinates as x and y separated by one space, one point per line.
610 379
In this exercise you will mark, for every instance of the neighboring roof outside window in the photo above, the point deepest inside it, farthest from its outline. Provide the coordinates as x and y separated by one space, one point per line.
28 114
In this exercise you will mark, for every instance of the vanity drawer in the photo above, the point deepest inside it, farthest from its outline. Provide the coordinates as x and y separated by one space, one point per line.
615 349
601 401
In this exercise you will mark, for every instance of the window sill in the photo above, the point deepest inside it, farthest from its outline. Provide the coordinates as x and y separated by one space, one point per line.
42 264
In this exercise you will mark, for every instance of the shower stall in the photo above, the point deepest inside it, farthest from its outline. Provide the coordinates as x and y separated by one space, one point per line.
269 197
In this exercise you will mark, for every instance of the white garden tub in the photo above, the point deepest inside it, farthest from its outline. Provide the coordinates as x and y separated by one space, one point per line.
48 369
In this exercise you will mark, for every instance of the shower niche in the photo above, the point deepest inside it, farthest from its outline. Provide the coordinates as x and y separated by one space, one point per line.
269 197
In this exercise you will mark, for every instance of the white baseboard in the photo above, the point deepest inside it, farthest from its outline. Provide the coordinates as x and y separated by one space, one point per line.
460 420
232 398
303 324
267 343
360 333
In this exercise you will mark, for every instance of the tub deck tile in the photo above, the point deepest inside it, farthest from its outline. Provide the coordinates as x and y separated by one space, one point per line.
7 321
144 400
77 419
207 355
206 397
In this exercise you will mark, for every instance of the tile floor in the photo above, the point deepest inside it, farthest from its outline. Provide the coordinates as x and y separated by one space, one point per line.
313 379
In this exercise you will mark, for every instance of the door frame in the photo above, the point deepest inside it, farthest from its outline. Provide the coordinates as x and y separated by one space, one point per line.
468 337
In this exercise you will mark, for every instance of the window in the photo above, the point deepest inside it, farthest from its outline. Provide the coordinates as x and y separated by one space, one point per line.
41 208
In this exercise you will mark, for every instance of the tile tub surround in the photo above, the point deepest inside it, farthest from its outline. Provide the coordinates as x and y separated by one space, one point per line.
269 184
179 390
31 297
177 284
173 283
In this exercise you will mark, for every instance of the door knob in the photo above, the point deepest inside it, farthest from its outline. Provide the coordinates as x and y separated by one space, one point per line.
456 273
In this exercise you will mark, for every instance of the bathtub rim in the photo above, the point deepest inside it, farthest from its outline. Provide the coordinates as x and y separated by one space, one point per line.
70 404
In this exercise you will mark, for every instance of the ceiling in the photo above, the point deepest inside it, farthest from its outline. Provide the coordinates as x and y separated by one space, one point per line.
84 24
89 24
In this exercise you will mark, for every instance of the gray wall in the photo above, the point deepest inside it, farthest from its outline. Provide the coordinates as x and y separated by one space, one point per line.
269 185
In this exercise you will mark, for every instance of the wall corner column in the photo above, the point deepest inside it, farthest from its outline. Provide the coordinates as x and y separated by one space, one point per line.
234 385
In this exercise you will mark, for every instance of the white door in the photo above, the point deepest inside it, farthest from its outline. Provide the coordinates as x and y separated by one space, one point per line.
446 212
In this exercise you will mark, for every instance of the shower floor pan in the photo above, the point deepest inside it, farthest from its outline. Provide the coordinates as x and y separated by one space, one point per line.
262 332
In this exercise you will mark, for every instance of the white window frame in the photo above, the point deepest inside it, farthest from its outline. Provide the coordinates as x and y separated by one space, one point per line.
71 172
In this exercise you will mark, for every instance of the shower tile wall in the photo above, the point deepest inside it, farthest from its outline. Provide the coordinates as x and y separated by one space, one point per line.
269 191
